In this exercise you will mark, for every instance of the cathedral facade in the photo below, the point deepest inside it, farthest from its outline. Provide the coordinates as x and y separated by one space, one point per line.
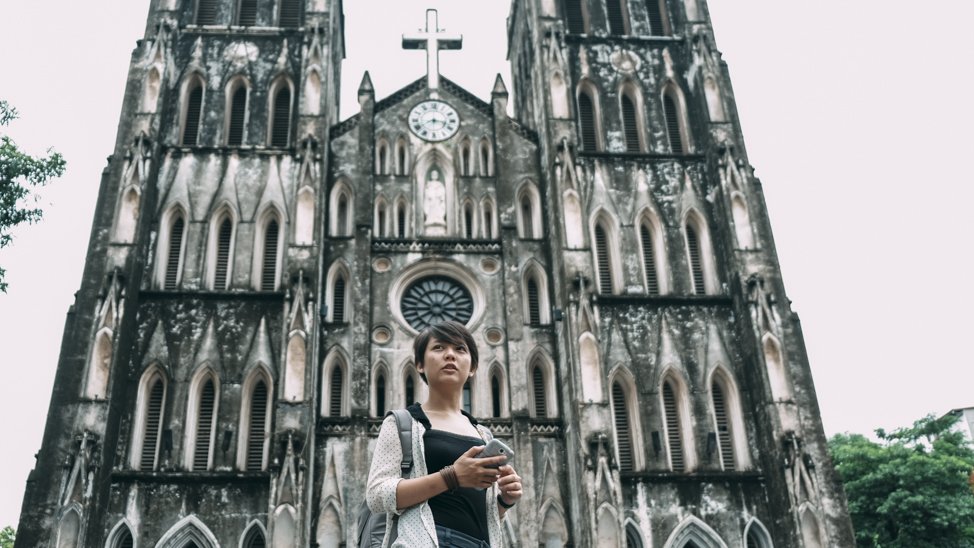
257 270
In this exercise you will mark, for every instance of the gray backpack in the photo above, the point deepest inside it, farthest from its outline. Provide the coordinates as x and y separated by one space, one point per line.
372 527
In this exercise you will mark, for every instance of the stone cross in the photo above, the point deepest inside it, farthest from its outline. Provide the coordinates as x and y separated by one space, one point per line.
432 39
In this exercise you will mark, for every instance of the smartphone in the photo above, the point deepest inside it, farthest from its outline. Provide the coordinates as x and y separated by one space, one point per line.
496 448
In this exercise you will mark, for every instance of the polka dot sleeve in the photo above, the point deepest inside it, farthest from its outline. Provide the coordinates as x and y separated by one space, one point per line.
385 473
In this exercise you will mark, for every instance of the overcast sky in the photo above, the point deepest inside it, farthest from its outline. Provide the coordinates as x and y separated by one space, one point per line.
856 116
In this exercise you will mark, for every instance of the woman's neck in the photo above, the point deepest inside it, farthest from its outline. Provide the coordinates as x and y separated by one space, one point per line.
438 403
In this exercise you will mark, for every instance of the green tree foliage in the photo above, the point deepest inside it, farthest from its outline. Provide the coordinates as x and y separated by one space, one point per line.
910 490
7 536
20 175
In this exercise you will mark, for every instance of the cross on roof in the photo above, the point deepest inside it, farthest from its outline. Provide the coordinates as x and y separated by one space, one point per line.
432 39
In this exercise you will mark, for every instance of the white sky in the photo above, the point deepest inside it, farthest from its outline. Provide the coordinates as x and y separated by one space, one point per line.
857 116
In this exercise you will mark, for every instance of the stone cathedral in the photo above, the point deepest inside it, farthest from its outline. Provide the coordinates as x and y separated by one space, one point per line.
258 268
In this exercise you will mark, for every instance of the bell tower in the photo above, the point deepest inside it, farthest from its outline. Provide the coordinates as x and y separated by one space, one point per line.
690 411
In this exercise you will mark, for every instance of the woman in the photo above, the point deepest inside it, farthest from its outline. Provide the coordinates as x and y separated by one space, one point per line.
452 499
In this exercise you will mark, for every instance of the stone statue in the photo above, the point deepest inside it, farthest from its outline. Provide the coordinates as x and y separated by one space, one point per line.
434 204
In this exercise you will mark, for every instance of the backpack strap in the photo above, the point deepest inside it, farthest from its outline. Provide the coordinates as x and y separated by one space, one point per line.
404 423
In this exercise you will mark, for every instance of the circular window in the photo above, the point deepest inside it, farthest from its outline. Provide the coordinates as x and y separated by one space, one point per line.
435 299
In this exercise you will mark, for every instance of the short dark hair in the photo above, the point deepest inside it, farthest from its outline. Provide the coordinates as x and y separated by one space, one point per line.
450 332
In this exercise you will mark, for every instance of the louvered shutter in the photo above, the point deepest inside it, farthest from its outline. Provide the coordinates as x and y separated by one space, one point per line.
238 114
527 217
335 392
222 255
723 427
629 126
656 27
401 222
290 13
495 396
672 124
465 159
586 121
674 440
696 260
256 428
248 13
206 13
484 160
338 301
534 305
153 424
602 258
617 21
255 539
540 399
124 540
649 260
268 271
468 221
175 246
623 429
204 426
194 110
573 12
281 130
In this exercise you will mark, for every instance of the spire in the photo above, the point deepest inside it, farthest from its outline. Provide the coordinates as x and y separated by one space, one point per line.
499 87
366 85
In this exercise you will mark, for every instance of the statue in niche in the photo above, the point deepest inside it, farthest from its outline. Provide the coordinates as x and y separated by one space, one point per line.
434 204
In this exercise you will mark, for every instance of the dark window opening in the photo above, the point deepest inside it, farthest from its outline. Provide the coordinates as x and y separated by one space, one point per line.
281 130
238 116
194 110
257 429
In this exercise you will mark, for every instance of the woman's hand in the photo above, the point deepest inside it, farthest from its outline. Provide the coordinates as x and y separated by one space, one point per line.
477 472
509 485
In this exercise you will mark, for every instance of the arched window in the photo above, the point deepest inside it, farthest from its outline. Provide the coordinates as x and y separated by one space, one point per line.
676 130
380 394
402 157
270 255
237 98
657 21
335 392
410 389
647 245
254 538
247 16
527 217
534 308
382 158
123 537
341 210
466 158
529 212
488 223
486 165
757 536
380 227
696 260
468 220
281 116
699 256
539 390
221 255
192 111
401 217
623 429
616 11
495 396
467 399
290 15
603 258
723 427
148 430
256 428
333 385
339 299
534 293
206 12
630 123
633 538
575 17
676 422
206 401
588 121
173 252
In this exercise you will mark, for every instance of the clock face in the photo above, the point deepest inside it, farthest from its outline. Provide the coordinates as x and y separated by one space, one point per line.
434 121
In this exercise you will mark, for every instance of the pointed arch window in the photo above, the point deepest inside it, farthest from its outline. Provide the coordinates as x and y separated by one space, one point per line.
467 400
676 131
206 12
539 391
338 300
529 212
623 430
224 240
269 260
247 16
205 422
534 307
575 17
402 158
401 219
381 227
527 217
333 386
237 118
633 538
148 431
123 539
410 389
588 121
674 427
486 167
466 159
335 392
696 260
382 158
757 536
603 261
192 112
255 538
281 117
468 220
174 252
290 15
630 123
380 394
341 210
657 22
488 213
616 11
647 246
258 421
495 396
722 424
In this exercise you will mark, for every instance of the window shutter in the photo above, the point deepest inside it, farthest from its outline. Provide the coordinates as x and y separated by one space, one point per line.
153 424
617 21
256 429
656 27
586 121
674 440
623 429
335 392
338 300
290 13
488 222
484 160
534 306
238 113
341 223
380 396
468 221
194 110
649 260
255 539
124 540
672 124
696 261
268 272
401 222
573 12
206 12
495 396
602 257
629 126
223 255
281 130
540 400
752 540
465 159
382 160
175 246
527 217
204 427
401 153
723 428
248 13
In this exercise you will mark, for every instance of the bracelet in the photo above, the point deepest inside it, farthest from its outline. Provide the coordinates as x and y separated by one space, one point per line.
450 477
504 505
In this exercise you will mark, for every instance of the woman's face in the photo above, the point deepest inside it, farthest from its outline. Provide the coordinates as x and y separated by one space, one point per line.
447 363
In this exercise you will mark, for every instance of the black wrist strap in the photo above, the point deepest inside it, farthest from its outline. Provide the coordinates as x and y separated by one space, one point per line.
504 505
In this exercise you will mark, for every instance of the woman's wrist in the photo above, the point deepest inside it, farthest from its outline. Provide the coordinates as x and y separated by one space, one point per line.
450 478
505 505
